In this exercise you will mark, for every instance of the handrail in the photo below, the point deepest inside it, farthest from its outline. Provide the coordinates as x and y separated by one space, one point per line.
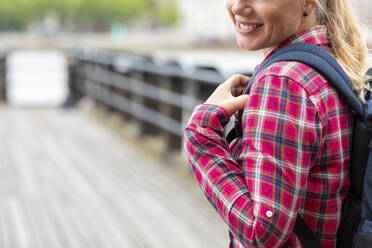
158 97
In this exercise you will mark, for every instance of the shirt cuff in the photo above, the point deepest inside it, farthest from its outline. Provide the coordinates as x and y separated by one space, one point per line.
210 115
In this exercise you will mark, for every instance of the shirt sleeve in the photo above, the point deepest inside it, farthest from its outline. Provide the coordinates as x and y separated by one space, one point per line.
258 195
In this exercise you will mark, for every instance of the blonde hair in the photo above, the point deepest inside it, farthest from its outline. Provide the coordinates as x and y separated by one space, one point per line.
348 44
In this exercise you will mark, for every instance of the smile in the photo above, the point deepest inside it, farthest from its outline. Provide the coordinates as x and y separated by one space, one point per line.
247 28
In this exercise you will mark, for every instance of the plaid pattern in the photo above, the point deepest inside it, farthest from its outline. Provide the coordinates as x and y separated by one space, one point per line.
293 157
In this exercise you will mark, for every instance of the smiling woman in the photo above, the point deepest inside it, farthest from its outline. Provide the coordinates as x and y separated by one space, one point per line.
293 156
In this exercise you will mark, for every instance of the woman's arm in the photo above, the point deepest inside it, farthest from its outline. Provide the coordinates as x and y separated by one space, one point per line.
258 198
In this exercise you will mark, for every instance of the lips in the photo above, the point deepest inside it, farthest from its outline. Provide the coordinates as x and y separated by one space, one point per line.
246 28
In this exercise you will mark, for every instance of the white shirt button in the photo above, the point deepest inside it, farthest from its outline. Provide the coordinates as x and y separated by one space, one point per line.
269 214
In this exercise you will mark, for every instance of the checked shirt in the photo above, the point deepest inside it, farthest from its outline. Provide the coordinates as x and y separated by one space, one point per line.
292 159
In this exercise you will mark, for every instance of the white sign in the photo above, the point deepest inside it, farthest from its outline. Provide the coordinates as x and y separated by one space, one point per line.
37 78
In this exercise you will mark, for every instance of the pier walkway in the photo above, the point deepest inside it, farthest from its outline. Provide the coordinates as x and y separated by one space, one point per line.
67 181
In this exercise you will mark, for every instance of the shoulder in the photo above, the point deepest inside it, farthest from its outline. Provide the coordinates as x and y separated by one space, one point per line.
297 81
303 75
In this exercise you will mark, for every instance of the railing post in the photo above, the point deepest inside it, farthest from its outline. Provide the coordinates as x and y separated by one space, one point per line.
173 84
148 128
108 65
81 79
144 127
74 94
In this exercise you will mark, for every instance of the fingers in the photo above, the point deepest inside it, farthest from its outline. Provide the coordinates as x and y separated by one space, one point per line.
237 91
237 84
239 80
229 94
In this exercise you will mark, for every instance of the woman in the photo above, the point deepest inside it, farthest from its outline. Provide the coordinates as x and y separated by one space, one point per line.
293 157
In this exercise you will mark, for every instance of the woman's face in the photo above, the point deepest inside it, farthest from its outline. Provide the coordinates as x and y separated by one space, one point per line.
262 24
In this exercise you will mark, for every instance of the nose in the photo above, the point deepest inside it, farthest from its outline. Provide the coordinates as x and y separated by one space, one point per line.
241 7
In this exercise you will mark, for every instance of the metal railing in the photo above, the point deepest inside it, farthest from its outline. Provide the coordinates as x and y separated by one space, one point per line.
158 97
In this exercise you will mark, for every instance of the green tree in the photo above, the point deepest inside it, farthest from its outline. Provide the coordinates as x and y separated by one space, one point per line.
167 12
16 14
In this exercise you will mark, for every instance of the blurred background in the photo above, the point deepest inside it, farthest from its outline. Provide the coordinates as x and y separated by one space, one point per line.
94 96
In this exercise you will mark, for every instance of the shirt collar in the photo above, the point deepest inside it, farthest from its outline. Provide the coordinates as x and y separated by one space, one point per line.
317 35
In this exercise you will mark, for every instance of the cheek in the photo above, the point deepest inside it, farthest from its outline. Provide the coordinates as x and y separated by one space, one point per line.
281 23
290 19
273 20
229 4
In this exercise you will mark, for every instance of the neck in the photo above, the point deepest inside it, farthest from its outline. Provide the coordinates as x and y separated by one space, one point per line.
267 51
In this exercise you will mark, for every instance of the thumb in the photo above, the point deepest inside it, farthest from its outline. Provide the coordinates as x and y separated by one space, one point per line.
242 100
239 102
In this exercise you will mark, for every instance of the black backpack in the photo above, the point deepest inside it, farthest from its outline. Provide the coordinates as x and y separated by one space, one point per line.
355 229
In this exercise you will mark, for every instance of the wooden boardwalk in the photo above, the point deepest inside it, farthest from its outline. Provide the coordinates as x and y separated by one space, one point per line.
68 182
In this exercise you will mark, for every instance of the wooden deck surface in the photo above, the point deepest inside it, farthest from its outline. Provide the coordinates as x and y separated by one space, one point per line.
68 182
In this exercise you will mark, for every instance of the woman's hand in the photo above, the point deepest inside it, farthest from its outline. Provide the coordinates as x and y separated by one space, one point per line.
229 94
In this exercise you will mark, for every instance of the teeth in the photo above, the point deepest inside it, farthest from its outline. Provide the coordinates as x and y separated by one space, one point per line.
248 26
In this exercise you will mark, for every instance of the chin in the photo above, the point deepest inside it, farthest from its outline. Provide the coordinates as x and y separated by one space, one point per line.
248 45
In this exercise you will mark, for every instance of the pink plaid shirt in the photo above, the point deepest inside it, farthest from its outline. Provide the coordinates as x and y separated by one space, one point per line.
293 157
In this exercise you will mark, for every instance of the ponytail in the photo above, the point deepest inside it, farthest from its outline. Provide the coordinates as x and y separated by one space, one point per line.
348 44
